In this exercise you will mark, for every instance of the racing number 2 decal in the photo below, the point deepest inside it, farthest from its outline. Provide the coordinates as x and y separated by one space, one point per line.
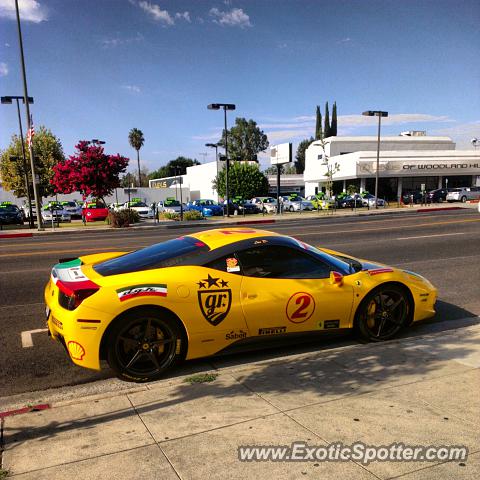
300 307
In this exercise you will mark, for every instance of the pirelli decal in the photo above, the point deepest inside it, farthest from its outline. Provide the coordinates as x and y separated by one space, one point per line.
146 290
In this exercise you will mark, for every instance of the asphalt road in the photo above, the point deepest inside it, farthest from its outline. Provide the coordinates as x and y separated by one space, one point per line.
442 246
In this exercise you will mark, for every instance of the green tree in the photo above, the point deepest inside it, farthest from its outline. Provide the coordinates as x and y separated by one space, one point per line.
48 152
285 169
318 125
332 169
127 180
333 128
174 167
245 140
351 189
136 139
327 130
300 155
245 180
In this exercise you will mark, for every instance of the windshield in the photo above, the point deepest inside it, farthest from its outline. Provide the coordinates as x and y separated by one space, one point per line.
138 204
69 204
269 200
172 203
166 254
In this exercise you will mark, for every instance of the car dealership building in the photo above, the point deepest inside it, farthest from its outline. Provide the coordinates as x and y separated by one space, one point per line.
407 162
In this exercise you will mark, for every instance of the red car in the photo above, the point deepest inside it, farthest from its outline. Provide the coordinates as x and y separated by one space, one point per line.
92 211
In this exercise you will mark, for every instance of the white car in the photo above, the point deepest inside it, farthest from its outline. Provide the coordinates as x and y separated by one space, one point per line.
55 211
296 204
169 206
369 201
265 204
143 210
73 208
463 194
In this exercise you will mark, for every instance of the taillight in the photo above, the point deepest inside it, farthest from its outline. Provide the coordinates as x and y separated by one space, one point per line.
74 293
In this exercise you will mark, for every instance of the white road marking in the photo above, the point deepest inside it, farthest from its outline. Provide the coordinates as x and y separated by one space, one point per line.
428 236
27 340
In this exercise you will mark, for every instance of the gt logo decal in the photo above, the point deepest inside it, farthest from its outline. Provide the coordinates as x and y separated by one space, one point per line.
300 307
214 303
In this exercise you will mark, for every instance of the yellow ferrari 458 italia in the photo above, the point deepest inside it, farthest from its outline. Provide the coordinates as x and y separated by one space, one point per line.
196 295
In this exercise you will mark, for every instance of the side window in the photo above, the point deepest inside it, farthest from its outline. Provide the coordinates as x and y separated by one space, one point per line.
228 263
281 262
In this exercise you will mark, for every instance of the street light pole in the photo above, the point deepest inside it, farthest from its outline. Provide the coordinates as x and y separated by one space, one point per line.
29 125
379 114
225 106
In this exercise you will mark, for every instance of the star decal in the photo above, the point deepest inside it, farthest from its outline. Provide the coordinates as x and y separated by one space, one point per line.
211 281
201 284
223 283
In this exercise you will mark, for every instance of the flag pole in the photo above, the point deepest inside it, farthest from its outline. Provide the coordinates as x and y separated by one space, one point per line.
29 125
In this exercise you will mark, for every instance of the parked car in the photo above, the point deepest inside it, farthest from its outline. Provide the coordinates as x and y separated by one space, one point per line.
56 212
170 205
437 196
116 206
240 207
350 201
265 204
206 207
463 194
10 214
414 196
92 211
73 208
296 204
143 210
316 200
368 200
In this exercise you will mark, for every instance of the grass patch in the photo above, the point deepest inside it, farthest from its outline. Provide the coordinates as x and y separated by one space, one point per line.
202 378
3 473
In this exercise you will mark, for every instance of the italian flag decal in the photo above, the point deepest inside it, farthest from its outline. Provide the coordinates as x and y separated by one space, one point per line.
147 290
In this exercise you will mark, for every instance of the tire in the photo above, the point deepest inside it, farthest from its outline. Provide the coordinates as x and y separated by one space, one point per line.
463 199
143 345
383 313
290 208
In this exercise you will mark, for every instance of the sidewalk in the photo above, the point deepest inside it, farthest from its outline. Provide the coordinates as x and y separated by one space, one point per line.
418 391
237 220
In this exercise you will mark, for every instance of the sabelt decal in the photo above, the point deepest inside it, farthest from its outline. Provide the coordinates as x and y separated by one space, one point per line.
236 335
272 330
146 290
378 271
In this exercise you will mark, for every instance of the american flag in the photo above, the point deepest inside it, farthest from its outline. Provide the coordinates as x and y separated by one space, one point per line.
30 133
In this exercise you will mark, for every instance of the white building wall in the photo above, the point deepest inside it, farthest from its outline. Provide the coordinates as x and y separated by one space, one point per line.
199 180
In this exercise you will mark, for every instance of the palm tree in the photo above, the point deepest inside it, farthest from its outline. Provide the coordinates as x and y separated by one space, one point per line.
135 137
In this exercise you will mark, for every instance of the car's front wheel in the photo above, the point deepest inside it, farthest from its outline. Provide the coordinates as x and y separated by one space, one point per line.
463 199
383 313
142 345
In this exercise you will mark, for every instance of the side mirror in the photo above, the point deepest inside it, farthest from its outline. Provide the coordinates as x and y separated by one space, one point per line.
336 278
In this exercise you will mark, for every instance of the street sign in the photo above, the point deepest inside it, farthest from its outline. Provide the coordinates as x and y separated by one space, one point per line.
280 154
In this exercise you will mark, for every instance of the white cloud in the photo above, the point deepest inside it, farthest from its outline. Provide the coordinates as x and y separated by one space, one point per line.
3 69
234 18
132 88
7 45
156 12
30 10
208 137
117 41
461 133
184 16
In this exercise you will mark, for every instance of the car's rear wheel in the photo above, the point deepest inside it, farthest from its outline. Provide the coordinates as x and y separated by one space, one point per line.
463 199
383 313
143 345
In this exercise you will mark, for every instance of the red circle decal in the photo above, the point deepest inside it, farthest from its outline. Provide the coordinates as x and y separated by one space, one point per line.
300 307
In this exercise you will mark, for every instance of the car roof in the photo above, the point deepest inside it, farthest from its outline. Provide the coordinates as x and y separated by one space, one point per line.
219 237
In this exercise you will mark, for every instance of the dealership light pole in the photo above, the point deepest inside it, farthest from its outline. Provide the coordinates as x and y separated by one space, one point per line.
9 100
225 106
29 123
379 114
215 146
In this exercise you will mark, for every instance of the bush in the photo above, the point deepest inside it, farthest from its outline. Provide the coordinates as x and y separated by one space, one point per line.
169 216
192 215
122 218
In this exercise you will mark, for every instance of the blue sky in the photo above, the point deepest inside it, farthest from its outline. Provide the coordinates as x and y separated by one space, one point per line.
98 68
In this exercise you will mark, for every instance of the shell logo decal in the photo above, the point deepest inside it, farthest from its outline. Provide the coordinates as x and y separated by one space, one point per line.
77 352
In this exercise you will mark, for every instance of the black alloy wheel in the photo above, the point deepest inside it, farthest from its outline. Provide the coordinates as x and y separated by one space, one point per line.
383 313
141 347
